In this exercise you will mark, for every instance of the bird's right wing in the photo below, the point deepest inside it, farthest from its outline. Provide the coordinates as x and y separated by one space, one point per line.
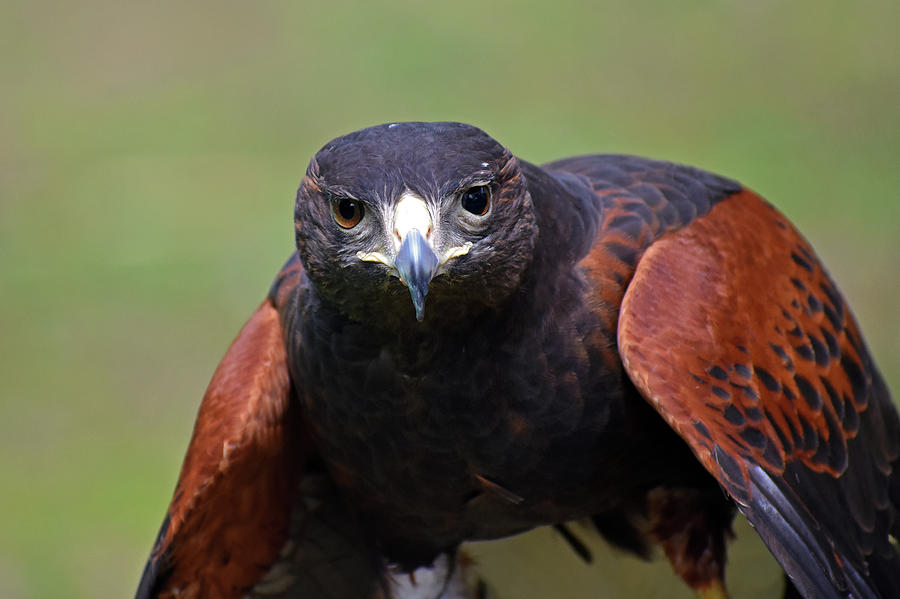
254 514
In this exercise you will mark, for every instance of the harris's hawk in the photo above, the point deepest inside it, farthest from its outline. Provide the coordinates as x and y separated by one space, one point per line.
465 346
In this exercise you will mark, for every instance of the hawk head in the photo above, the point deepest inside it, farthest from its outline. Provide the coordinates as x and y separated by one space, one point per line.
435 213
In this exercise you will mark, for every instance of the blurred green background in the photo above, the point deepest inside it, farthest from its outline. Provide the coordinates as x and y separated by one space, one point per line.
149 154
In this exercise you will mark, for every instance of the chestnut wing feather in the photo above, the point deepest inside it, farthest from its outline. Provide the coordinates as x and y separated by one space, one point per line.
230 513
255 513
734 332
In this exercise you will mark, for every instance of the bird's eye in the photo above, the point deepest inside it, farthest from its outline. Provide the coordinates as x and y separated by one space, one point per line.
347 212
476 200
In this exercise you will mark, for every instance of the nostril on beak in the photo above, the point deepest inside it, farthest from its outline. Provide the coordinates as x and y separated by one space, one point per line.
410 213
426 234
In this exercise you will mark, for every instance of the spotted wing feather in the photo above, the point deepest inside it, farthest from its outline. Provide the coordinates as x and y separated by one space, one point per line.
732 329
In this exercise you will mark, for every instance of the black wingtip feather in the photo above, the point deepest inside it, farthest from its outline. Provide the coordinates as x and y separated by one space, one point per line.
575 543
798 543
157 569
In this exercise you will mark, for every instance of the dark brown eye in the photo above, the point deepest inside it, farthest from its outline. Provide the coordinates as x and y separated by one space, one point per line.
347 212
476 200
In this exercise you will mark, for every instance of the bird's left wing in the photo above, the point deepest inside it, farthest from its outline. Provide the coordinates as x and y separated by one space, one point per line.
738 337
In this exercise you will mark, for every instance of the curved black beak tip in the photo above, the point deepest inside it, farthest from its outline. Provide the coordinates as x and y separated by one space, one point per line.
416 264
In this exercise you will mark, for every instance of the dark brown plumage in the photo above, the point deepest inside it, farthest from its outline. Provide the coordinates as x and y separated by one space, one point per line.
465 346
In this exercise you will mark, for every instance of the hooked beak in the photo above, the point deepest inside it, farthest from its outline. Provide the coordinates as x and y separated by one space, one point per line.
416 263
